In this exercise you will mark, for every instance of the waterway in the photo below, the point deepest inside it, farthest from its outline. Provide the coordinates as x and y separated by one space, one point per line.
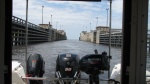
50 51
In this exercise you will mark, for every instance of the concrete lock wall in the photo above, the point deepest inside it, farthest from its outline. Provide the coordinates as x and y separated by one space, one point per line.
36 33
97 36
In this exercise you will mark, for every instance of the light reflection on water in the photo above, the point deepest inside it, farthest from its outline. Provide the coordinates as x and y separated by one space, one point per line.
50 51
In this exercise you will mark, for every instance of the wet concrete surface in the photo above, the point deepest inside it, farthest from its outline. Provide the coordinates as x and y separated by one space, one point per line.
50 51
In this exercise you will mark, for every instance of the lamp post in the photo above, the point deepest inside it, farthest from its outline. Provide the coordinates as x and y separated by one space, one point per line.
42 14
51 19
56 24
83 28
90 26
86 29
107 17
97 21
61 27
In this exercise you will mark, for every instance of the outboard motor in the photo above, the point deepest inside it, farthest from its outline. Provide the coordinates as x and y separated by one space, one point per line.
35 67
66 66
93 65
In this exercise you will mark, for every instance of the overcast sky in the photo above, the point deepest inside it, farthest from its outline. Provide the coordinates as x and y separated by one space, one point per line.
73 17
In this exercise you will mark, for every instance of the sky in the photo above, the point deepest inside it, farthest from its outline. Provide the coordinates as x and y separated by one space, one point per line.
71 16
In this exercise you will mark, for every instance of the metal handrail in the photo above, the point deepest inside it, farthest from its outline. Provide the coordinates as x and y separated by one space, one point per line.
68 79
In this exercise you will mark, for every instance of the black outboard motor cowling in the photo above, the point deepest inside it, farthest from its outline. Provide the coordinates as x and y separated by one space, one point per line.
67 65
35 67
95 62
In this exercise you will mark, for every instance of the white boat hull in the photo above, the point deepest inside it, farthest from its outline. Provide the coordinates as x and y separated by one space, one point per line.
116 74
17 73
